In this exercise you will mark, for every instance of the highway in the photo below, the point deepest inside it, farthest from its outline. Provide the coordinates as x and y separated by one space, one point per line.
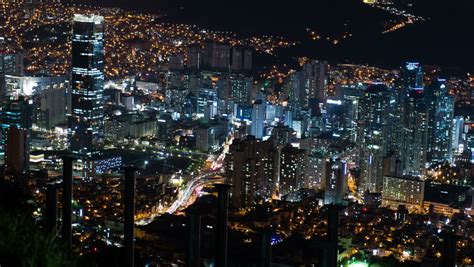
188 194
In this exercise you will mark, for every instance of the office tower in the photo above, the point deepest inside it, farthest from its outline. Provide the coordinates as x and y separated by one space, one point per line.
350 102
412 76
258 118
17 113
372 134
336 183
440 121
393 115
165 127
272 114
297 93
315 79
10 64
457 133
16 150
413 133
292 166
288 121
206 103
241 88
250 168
53 106
406 190
333 116
206 139
86 122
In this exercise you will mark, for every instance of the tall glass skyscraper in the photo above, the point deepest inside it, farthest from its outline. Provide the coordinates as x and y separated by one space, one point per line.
372 134
412 76
440 125
86 121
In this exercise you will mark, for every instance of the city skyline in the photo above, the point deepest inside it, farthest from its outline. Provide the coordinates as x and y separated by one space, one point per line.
130 138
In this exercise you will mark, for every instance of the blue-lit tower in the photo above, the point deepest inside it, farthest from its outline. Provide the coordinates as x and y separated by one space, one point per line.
440 123
412 76
372 134
258 116
86 121
414 133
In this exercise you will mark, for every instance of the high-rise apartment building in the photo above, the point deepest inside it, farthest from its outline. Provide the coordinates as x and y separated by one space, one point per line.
407 190
250 168
292 166
372 136
414 133
258 118
440 124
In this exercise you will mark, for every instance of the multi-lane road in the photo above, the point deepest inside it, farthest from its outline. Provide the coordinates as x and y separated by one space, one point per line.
188 193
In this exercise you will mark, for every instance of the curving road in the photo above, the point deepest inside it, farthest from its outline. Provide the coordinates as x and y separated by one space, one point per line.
185 195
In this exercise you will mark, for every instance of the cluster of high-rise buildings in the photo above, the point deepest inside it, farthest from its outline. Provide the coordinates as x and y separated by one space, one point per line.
369 132
315 131
306 131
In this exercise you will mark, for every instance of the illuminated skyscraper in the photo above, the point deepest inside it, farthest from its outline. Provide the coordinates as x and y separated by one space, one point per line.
412 119
10 64
241 88
86 122
298 98
315 79
441 114
457 133
372 136
292 166
412 76
258 118
251 169
414 133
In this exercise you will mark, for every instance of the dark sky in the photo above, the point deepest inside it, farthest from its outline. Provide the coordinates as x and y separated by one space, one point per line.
445 39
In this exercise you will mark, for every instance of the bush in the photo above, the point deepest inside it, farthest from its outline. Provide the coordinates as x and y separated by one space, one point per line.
22 243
